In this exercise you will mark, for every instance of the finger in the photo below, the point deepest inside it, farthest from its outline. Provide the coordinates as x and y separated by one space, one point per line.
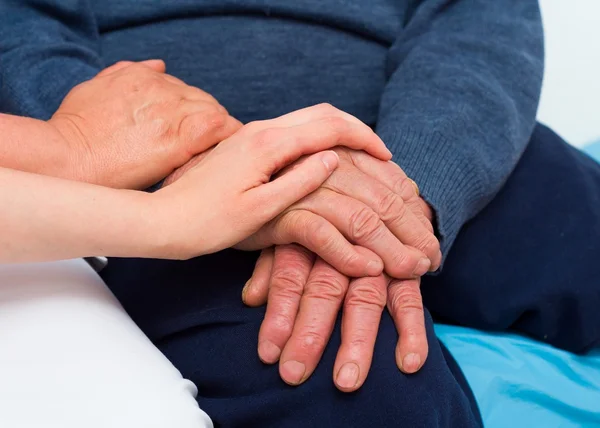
323 131
406 307
256 290
362 226
319 306
395 179
290 271
391 209
276 196
321 237
363 306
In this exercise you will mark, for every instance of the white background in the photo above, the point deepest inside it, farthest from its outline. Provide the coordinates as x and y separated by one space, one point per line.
571 93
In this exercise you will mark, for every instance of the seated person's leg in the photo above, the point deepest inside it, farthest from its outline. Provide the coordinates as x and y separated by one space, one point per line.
530 260
71 357
194 313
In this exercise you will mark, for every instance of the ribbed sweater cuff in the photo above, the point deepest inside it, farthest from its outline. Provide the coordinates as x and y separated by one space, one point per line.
449 179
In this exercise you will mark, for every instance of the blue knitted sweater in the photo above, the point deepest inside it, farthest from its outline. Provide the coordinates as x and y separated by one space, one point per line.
451 86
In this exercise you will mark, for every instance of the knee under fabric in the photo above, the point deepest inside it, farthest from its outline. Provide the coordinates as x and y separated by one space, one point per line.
193 312
529 261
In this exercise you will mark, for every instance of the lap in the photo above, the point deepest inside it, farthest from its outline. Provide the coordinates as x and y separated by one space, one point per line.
198 321
527 262
71 356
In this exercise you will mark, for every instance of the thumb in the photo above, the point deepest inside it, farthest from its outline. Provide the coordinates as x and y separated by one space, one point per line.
278 195
256 290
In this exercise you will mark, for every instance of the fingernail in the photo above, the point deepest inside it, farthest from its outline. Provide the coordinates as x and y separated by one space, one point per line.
348 376
293 372
411 363
245 290
422 267
268 352
374 268
330 159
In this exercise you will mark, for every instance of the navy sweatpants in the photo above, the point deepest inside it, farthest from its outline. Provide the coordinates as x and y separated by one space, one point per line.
528 262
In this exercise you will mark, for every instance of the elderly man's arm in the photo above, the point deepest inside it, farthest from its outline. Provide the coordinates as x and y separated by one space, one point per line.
461 100
457 112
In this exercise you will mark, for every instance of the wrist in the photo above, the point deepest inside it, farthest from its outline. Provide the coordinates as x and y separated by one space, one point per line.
76 151
138 226
161 226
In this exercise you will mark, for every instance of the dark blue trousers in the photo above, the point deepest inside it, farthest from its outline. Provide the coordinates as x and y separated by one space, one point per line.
529 262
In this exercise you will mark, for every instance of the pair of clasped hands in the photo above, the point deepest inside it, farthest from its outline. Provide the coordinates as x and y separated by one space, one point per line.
340 226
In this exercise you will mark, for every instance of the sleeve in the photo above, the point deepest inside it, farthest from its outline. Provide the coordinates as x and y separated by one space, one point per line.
464 79
46 48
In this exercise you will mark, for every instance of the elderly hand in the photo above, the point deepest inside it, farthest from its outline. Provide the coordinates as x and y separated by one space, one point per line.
236 194
132 125
362 203
304 296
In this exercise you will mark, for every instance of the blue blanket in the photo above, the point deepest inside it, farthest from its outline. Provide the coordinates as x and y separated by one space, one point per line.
522 383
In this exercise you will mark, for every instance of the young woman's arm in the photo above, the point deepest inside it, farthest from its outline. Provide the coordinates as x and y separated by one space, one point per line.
46 218
221 201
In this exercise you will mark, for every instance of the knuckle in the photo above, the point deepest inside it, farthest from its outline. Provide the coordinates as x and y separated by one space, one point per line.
336 124
311 340
315 230
401 185
428 243
391 207
326 286
360 341
404 263
215 118
326 109
406 299
287 280
364 223
281 324
367 295
295 255
412 333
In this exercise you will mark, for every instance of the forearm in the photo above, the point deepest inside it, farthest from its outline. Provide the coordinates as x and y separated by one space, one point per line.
46 218
36 146
461 101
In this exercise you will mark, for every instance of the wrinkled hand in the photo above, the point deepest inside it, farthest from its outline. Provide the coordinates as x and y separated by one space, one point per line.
304 298
132 124
367 202
230 193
